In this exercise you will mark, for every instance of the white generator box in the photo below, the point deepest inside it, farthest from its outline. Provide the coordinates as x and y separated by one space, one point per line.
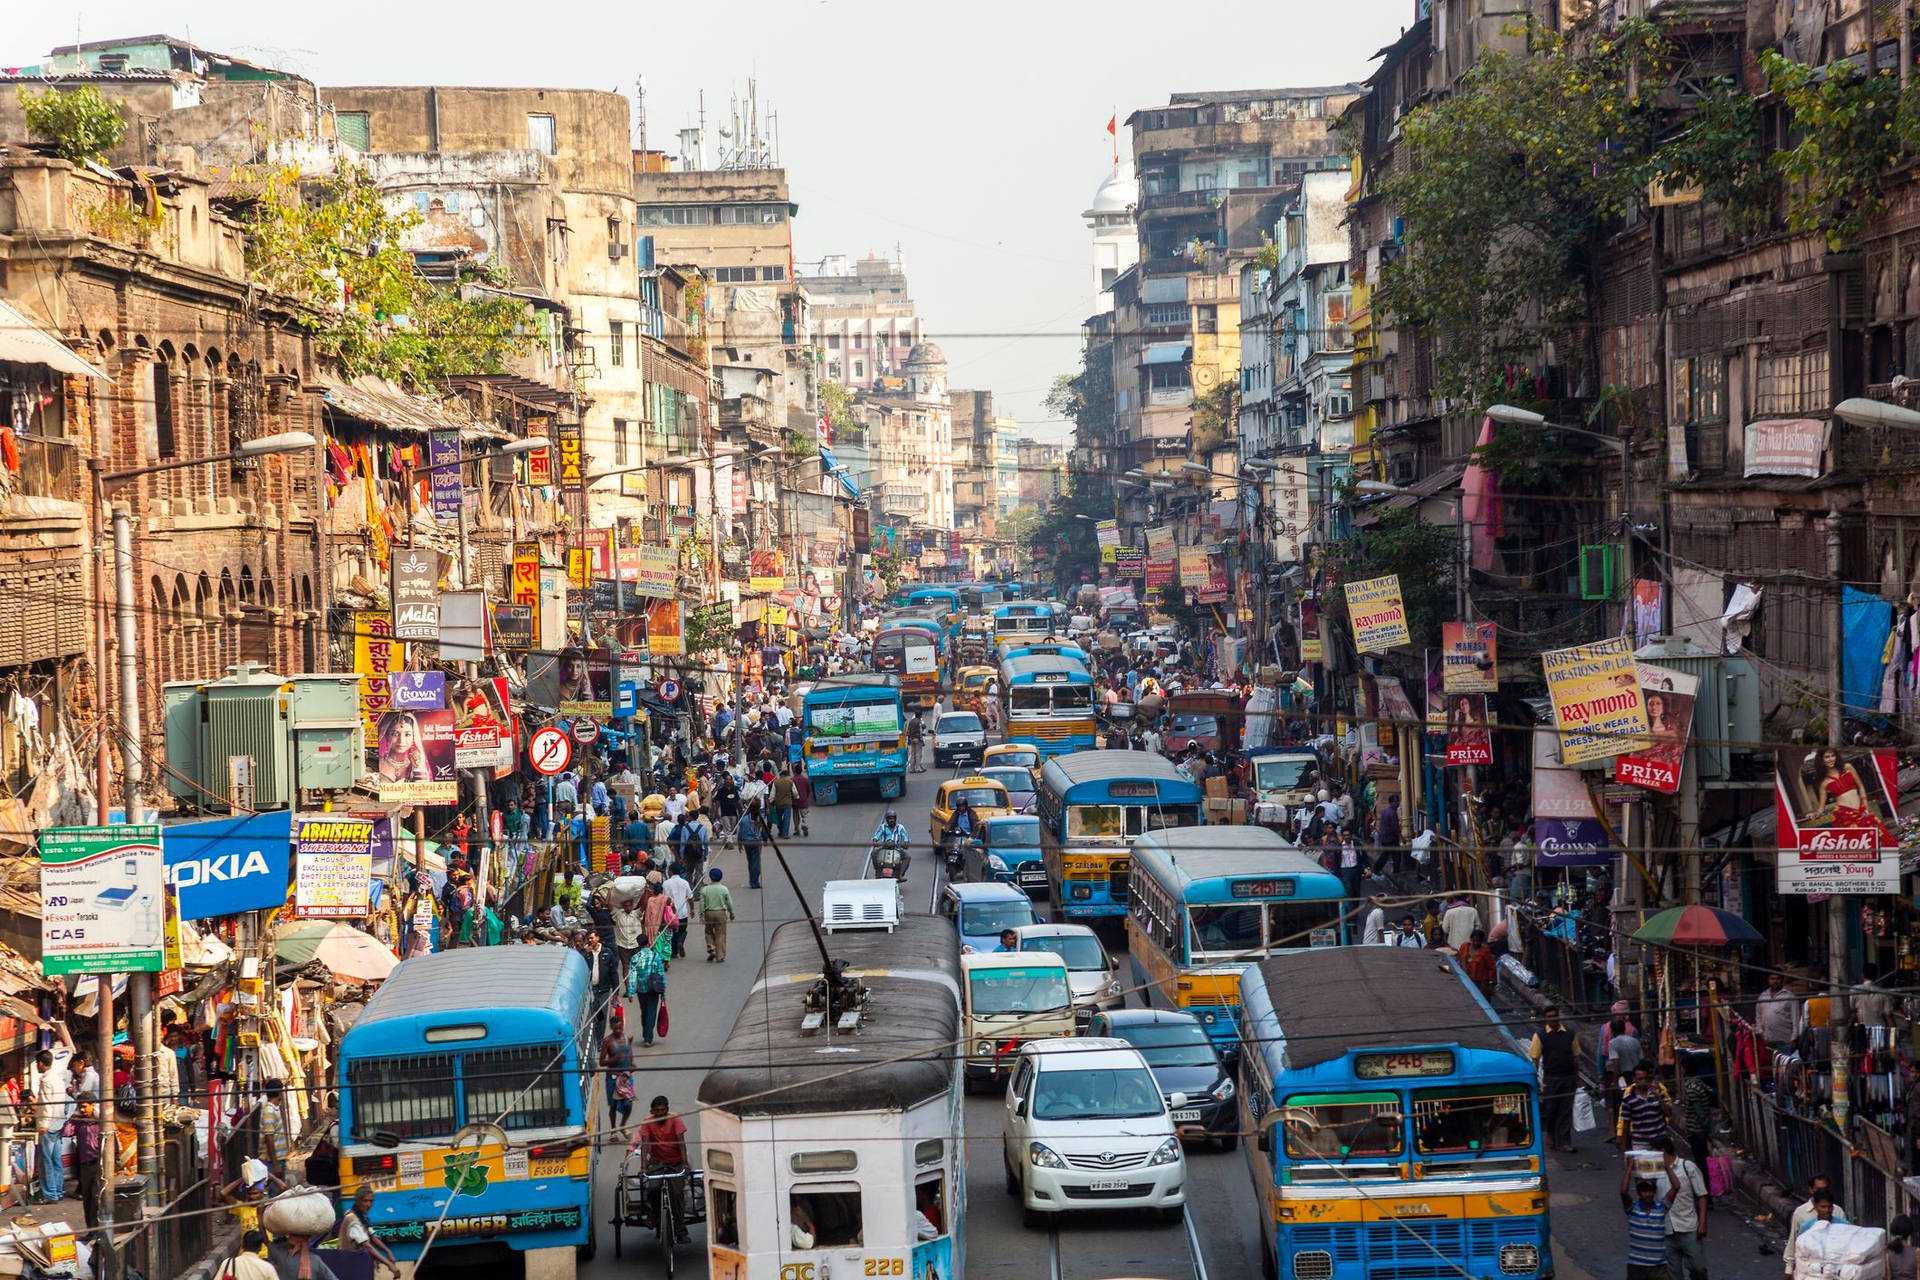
860 904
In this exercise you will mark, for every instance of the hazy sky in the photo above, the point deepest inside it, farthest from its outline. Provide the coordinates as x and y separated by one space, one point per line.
972 136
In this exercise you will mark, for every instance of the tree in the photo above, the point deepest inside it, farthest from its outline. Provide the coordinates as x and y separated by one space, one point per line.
80 123
337 249
1215 415
1422 555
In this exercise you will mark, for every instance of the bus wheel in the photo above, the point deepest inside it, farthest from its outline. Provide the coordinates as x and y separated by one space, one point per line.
1229 1142
1268 1266
826 793
586 1251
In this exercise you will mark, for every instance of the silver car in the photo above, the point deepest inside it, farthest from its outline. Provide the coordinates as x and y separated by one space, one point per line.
1093 976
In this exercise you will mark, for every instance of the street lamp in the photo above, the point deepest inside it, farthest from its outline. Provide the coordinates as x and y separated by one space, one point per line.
1518 417
1874 413
139 985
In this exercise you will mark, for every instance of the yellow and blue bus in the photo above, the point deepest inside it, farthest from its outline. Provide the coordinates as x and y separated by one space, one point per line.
1208 901
1049 704
854 729
1036 619
1018 648
1092 806
1397 1121
469 1105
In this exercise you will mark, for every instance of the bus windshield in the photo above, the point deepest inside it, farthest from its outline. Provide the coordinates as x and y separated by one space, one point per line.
1234 928
1095 1095
1470 1120
1037 990
1029 697
1282 773
1332 1127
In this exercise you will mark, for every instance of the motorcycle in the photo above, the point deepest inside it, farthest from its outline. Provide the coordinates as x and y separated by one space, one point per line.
888 860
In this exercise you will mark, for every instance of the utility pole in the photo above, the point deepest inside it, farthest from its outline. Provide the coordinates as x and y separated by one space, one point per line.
1838 1003
139 985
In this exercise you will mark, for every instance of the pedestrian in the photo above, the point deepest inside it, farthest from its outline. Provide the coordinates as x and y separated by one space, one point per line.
1459 922
716 912
726 798
1349 866
1645 1111
1776 1014
616 1057
783 802
1391 858
1409 935
1476 961
1688 1203
628 923
1696 1112
604 968
679 891
1646 1227
639 837
1556 1047
647 982
1808 1213
802 797
751 833
1619 1058
917 742
272 1145
1373 931
83 1126
357 1234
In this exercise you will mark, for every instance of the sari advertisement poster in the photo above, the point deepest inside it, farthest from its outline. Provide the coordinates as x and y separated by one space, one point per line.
1470 657
585 683
416 764
1668 696
1595 690
766 570
1160 557
1835 813
1378 616
1469 739
666 638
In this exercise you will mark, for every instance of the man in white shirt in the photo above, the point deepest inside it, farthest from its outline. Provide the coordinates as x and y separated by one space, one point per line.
1777 1014
676 803
680 897
783 715
1374 931
1459 923
1688 1203
1806 1213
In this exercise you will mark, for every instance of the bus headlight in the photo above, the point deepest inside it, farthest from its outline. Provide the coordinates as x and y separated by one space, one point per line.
1519 1259
984 1047
1083 891
1042 1157
1169 1153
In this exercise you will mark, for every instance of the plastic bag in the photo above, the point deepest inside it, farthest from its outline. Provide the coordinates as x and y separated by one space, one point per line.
1584 1120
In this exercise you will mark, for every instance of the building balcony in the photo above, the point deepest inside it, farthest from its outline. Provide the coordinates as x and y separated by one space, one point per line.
1174 203
902 500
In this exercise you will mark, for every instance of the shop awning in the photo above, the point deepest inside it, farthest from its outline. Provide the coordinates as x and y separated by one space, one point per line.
24 342
1165 353
382 403
838 472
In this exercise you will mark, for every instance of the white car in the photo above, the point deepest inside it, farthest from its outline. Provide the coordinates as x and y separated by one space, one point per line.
1087 1128
1092 975
958 738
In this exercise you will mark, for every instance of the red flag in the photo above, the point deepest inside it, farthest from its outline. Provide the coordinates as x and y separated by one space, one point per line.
1113 124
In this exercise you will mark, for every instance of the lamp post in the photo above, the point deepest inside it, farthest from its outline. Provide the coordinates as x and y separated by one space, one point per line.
133 774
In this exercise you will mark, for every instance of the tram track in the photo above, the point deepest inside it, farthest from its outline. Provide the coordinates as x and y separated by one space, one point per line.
1096 1252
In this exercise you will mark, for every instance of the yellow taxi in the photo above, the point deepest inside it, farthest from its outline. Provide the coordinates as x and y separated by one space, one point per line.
971 691
987 799
1008 753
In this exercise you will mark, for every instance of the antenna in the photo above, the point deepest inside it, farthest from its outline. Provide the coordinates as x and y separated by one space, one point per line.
640 107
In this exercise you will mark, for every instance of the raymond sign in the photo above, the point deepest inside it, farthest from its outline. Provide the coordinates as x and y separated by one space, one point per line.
1469 656
526 573
1596 700
1379 618
1835 816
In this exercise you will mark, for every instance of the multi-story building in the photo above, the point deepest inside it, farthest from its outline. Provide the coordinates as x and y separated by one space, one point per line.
909 445
1006 462
1116 246
976 464
1043 469
862 320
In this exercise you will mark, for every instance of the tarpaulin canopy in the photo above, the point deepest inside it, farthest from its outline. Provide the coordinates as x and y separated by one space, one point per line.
24 342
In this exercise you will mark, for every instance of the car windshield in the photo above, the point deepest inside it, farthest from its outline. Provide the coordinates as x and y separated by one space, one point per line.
1029 758
983 918
991 797
1041 989
1198 725
963 722
1470 1120
1281 775
1127 1093
1081 951
1333 1127
1011 779
1170 1044
1002 834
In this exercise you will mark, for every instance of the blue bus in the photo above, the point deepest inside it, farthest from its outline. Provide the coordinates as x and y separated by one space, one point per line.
854 729
1397 1121
1044 649
1092 807
1208 901
1037 619
1049 703
468 1103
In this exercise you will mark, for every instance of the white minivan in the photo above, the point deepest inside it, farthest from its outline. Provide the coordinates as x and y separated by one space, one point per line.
1088 1129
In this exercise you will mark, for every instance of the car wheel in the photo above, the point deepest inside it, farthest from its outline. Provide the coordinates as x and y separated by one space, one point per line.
1013 1179
1036 1219
1173 1215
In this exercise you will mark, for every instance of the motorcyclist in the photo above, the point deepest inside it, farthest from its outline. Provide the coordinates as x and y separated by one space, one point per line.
890 845
961 826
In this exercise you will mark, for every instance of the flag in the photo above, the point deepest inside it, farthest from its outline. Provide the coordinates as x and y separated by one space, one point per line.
826 431
1113 124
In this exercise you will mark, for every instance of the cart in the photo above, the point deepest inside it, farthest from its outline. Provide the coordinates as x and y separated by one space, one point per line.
639 1196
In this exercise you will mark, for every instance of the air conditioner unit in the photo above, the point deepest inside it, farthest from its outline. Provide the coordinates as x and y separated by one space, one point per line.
615 251
1597 571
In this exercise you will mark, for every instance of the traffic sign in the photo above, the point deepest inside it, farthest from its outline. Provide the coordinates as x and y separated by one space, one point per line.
669 690
586 732
550 751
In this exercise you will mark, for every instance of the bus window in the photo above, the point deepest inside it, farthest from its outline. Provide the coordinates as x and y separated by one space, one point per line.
1162 818
1303 924
723 1218
515 1088
1029 698
1094 821
825 1217
1343 1126
411 1098
1226 928
1469 1120
930 1207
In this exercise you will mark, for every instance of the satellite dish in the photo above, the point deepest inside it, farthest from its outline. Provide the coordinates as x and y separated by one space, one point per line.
726 131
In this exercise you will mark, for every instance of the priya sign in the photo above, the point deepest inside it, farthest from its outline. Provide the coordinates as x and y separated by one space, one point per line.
225 865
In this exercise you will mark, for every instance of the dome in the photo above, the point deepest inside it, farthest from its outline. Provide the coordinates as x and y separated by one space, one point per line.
1119 193
926 353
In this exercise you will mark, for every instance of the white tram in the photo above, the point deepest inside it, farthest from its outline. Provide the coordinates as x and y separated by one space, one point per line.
831 1122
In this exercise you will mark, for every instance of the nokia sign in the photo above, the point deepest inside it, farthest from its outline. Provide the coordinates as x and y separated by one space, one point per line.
224 865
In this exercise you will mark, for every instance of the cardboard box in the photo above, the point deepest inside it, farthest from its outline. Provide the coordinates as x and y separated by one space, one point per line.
1220 811
1216 788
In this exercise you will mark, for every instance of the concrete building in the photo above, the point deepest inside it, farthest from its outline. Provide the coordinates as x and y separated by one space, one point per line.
862 320
909 445
976 464
1042 473
1116 247
1006 462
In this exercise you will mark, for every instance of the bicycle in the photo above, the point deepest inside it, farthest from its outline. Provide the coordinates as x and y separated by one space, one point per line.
643 1199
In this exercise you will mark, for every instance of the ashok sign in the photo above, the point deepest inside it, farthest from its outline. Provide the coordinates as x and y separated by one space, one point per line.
1834 814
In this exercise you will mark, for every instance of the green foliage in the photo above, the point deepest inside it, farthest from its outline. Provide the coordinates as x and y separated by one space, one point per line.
837 403
1268 257
1530 460
1423 555
1214 417
1849 127
1085 399
1723 150
801 446
337 250
891 570
1505 185
80 123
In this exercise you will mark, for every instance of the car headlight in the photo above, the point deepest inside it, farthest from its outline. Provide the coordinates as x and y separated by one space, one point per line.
995 863
1169 1153
983 1046
1113 988
1224 1091
1042 1157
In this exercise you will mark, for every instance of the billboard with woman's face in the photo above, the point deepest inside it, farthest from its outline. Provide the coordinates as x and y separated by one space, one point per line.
414 761
1835 811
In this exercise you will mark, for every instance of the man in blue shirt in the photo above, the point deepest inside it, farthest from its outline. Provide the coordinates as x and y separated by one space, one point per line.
1646 1228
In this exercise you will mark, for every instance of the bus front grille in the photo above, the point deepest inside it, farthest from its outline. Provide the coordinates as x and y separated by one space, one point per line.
1419 1250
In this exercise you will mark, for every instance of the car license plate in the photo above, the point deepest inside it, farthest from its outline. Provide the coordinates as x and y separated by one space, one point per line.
1189 1115
1107 1184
